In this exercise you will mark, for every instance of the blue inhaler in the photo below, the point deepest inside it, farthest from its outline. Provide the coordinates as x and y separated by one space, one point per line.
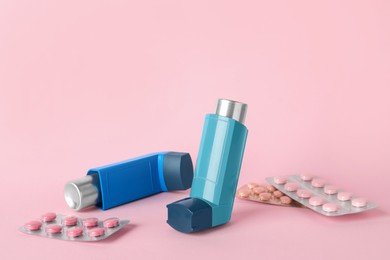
216 173
119 183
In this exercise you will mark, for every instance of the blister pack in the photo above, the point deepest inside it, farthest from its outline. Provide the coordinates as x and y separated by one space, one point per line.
72 228
264 193
319 195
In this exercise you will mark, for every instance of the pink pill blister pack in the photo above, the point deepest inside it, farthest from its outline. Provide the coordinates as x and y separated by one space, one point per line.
319 195
73 228
266 194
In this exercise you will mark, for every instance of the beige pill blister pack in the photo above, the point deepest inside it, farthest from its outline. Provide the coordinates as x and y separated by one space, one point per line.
266 194
319 195
73 228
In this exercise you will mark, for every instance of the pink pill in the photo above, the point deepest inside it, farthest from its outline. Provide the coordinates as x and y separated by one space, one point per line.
265 196
277 194
302 193
344 196
285 200
53 229
96 232
74 232
290 186
330 189
90 222
359 202
271 188
318 183
316 201
330 207
70 221
252 185
111 223
259 189
280 179
244 193
306 177
49 217
33 225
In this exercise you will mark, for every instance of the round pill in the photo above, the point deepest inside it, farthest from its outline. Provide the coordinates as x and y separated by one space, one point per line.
306 177
252 185
344 196
265 196
285 200
271 188
280 179
53 229
291 186
330 207
70 221
244 193
96 232
277 194
111 223
304 194
259 189
33 225
359 202
90 222
316 201
330 189
74 232
49 217
318 183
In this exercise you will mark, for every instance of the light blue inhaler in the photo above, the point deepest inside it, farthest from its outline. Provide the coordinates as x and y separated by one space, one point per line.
119 183
216 173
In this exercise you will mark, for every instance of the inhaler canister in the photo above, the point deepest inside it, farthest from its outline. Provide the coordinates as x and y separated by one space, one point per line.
119 183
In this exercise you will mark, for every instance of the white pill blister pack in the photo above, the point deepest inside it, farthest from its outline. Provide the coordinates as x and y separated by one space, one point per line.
57 226
320 196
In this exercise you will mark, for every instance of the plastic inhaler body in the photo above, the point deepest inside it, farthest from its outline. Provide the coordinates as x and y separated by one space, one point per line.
119 183
216 173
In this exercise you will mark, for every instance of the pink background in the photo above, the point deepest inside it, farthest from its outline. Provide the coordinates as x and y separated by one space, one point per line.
87 83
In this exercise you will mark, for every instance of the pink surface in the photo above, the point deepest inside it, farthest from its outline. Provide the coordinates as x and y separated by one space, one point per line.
86 83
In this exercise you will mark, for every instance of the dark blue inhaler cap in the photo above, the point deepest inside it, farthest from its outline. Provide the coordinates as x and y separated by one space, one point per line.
178 171
189 215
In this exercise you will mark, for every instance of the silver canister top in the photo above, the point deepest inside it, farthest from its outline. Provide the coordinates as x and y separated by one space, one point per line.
232 109
83 192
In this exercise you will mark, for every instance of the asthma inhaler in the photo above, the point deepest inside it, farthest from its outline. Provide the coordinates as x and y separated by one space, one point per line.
216 173
119 183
